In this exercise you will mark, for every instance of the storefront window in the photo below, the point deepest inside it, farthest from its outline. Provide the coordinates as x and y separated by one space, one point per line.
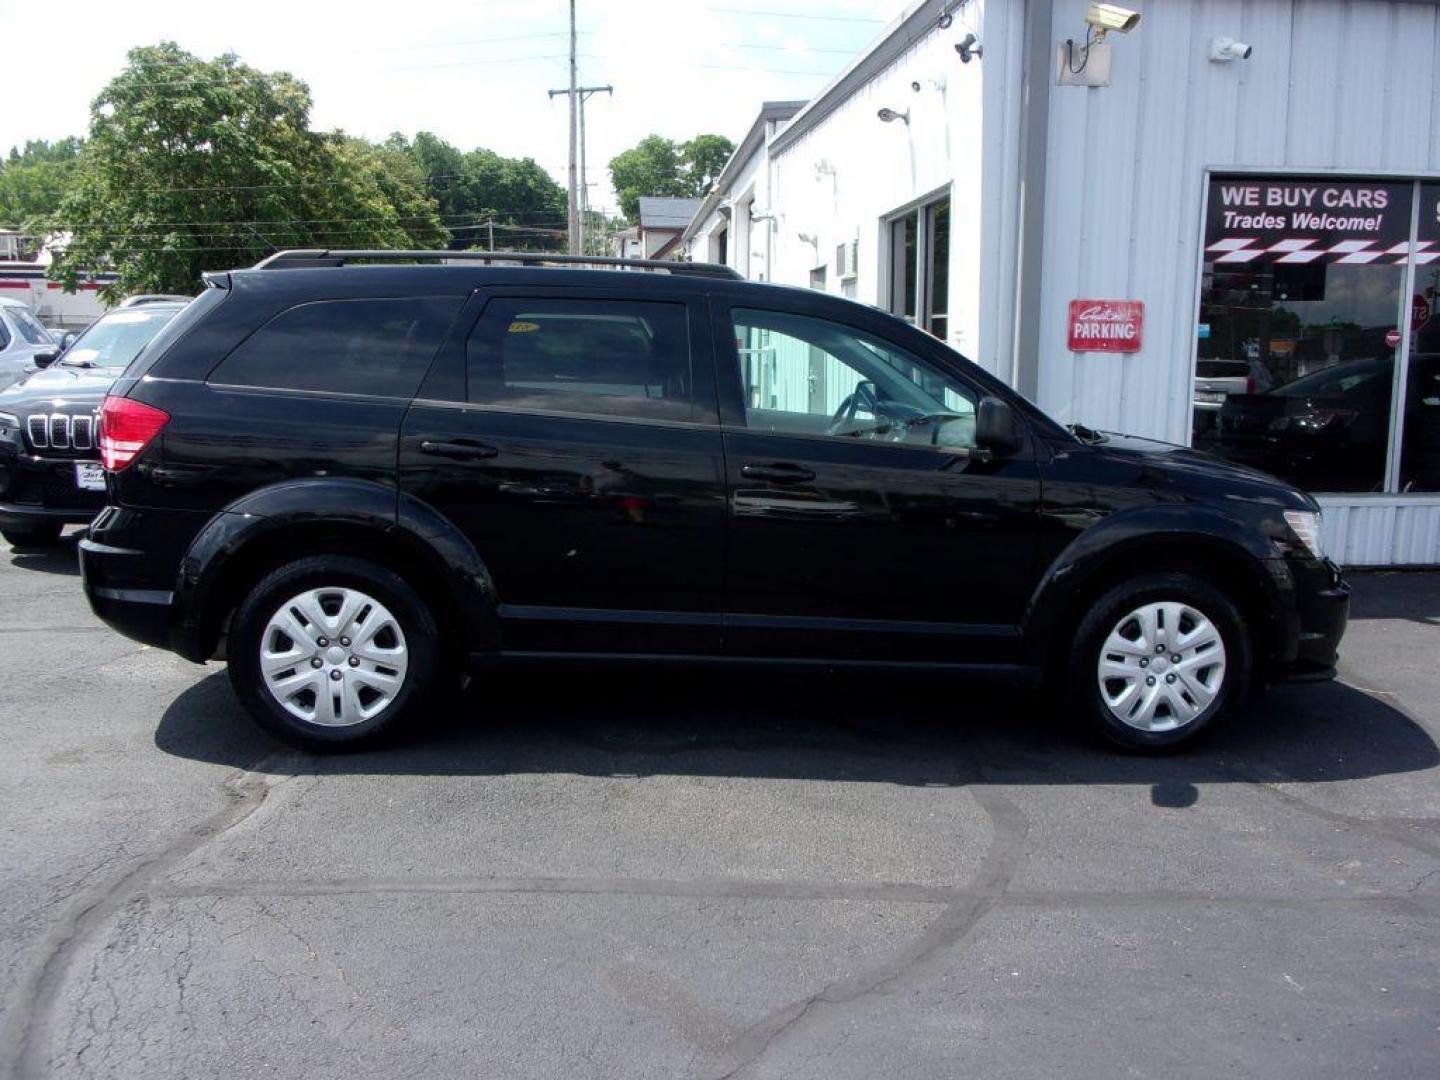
1299 309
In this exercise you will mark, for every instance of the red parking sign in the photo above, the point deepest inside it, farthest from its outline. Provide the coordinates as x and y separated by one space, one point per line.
1106 325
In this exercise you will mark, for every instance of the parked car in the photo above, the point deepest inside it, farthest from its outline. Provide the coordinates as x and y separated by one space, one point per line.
1216 380
50 474
356 482
1328 431
22 339
140 299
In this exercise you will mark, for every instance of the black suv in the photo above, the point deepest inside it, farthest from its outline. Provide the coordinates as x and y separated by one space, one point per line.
50 474
356 480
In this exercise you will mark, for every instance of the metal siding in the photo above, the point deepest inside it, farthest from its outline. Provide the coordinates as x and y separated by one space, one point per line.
1381 531
1333 84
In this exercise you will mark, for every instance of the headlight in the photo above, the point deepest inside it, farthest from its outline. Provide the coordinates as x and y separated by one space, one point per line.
1305 524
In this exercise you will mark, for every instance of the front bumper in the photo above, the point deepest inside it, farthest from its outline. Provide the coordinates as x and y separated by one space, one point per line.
35 490
1314 623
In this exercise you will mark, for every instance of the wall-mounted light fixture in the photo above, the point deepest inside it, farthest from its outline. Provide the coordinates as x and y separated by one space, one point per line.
889 115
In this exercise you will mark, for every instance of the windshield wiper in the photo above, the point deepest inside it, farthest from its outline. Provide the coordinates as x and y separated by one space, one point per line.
1085 434
79 363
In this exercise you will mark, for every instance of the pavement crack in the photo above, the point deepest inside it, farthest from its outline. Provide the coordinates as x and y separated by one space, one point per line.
29 1027
1009 827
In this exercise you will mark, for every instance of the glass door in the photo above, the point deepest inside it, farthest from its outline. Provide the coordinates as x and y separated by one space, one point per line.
1418 391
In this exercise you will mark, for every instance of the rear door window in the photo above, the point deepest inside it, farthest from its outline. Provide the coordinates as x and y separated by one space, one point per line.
601 357
377 348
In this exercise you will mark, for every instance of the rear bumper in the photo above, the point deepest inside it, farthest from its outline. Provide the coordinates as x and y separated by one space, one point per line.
1310 641
145 615
129 564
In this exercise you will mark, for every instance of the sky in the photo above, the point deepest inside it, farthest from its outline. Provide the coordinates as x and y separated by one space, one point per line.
475 72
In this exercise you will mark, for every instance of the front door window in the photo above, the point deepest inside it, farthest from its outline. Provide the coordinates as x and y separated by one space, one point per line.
810 376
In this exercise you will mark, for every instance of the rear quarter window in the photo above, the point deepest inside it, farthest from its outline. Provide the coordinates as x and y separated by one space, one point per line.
379 348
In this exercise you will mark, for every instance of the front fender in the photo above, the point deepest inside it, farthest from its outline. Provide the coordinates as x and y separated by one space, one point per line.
1140 533
396 521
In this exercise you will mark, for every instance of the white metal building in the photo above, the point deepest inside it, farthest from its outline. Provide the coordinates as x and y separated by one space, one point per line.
1239 252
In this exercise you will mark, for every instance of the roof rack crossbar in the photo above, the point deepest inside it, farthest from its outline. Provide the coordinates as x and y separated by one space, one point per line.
317 257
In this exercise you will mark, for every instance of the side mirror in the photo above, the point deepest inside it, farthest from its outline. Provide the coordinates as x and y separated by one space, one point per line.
44 358
995 427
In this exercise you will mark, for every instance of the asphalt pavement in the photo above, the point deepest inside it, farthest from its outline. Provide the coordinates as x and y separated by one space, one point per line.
590 873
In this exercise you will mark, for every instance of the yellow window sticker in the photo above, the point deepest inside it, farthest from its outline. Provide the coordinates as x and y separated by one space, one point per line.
518 327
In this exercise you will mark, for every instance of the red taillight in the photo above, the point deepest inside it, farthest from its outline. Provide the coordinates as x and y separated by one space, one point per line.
126 428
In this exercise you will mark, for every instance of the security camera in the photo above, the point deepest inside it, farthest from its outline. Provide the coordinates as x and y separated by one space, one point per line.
1225 48
1107 17
889 115
969 49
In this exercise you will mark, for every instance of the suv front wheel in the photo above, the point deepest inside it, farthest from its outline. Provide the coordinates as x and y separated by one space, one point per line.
1158 659
332 651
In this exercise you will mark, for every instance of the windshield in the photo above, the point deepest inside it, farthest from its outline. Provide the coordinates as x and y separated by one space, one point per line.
1340 379
117 338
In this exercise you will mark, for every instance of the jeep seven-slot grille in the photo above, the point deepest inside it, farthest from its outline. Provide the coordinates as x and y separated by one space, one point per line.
60 431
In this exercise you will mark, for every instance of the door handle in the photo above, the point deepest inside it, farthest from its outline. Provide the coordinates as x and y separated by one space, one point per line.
778 473
460 449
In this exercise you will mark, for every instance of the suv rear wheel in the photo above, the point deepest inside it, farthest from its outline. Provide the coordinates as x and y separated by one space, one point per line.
332 651
1158 659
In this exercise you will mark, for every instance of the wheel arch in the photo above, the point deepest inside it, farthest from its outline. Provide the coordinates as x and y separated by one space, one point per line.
360 518
1217 551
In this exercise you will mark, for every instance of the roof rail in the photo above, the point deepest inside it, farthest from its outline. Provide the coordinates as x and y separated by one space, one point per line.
316 257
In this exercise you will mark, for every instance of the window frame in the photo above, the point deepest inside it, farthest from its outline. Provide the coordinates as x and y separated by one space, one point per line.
921 213
447 383
840 312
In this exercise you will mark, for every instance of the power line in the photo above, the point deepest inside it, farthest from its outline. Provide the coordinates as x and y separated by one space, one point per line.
485 41
797 15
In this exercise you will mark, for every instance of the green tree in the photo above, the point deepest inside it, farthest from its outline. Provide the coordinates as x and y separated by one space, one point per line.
35 179
195 165
704 156
659 166
651 167
480 187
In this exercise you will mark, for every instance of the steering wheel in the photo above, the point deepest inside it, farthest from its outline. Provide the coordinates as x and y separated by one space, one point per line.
863 397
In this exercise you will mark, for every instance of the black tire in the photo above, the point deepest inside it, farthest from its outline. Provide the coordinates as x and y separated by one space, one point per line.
46 534
421 638
1083 677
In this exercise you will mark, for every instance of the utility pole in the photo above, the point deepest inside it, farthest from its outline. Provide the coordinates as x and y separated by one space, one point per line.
574 103
585 92
579 195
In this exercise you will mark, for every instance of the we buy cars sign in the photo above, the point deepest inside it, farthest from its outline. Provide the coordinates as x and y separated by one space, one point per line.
1106 325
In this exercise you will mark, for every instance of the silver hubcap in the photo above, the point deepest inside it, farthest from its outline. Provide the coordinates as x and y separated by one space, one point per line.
333 657
1161 666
